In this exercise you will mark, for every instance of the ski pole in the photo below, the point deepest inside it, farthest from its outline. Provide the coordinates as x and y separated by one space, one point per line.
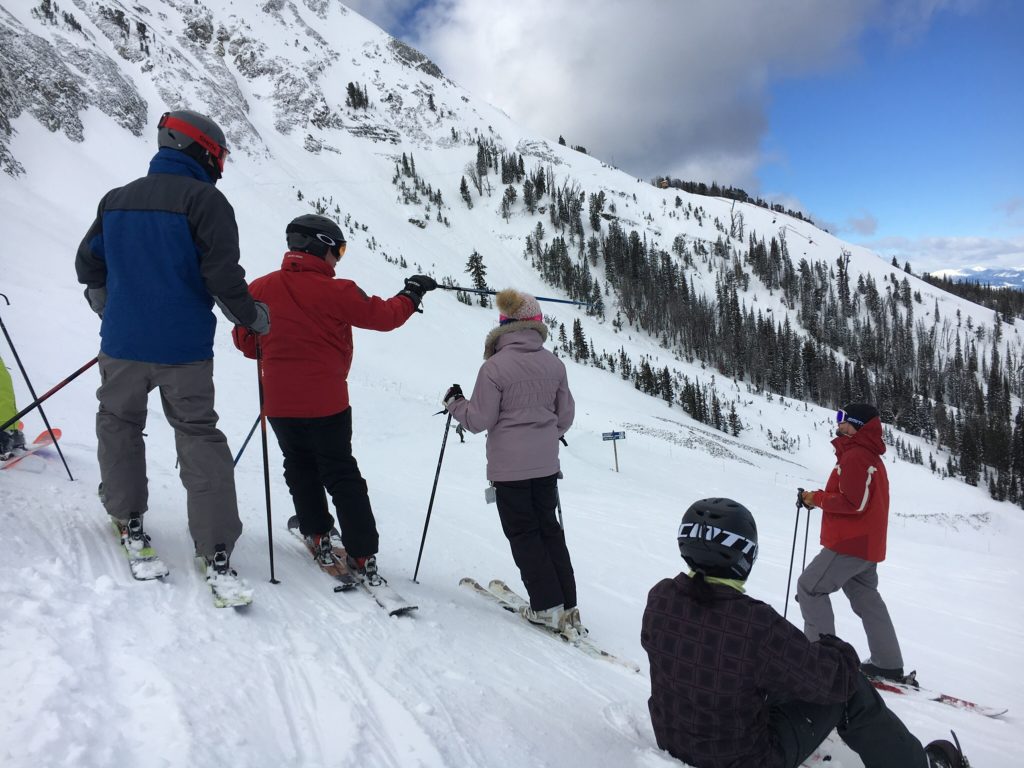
807 528
558 496
37 401
792 553
248 438
266 459
430 505
486 292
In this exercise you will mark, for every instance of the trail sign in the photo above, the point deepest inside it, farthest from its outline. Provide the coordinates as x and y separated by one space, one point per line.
614 437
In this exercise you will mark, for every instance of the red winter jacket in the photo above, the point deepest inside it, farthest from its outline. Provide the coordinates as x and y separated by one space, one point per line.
855 502
308 352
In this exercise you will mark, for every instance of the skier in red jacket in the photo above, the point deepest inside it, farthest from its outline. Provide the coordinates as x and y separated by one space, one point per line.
306 360
855 518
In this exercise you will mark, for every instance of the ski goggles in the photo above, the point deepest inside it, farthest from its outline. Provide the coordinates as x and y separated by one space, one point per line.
332 243
842 416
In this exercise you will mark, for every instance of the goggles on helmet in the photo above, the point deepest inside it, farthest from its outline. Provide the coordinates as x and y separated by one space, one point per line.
332 243
842 416
323 237
219 153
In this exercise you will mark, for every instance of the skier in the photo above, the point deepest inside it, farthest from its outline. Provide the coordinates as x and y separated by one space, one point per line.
854 520
11 439
733 683
522 398
306 360
162 250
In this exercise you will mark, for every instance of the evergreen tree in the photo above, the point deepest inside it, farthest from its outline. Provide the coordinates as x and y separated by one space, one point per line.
478 274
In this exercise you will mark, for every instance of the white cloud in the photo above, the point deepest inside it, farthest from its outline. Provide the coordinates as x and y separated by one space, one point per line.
654 86
865 224
928 254
1014 210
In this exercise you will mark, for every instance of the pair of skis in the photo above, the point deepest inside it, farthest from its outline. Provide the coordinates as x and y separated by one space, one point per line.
44 440
499 592
912 690
227 590
382 593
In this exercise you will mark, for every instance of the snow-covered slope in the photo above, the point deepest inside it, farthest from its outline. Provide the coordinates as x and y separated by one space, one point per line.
99 670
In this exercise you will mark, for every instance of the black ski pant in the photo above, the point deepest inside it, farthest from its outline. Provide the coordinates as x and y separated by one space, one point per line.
317 456
527 512
867 726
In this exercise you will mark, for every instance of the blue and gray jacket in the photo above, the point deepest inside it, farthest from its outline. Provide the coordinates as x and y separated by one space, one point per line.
164 247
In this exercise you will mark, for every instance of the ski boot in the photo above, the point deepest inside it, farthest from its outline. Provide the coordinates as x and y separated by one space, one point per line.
367 568
321 547
133 537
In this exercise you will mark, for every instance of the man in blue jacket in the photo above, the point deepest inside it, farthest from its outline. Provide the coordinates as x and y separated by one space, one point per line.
162 250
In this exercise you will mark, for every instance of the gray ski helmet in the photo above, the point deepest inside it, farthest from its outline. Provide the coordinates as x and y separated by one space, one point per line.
314 234
718 537
196 135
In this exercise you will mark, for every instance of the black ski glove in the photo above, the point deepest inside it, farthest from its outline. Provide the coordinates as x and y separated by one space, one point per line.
416 286
454 393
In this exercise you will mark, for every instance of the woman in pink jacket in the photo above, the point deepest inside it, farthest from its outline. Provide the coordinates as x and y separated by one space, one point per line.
522 399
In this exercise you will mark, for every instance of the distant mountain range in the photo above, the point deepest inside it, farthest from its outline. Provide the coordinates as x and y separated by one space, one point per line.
1004 277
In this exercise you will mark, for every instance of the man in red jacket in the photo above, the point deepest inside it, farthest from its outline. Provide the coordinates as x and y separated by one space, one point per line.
306 360
855 518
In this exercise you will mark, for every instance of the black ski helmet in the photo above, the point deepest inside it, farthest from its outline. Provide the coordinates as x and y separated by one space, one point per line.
197 136
314 234
718 537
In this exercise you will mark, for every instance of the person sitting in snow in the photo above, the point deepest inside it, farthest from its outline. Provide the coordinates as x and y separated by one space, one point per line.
306 359
522 398
11 439
735 684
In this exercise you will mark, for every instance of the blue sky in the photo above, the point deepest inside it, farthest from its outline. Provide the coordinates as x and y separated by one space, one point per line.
918 138
893 123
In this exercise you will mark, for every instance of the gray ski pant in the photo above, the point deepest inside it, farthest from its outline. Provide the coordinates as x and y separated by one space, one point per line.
205 463
829 572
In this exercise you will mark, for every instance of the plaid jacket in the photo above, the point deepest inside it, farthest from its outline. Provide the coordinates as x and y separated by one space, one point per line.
713 666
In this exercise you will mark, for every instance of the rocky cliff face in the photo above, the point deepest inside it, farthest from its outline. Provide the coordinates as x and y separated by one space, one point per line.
58 59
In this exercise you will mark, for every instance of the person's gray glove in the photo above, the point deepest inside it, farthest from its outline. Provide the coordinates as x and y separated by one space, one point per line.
97 298
261 325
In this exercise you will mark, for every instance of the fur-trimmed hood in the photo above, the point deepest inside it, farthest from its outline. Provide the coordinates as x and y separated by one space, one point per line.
491 342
